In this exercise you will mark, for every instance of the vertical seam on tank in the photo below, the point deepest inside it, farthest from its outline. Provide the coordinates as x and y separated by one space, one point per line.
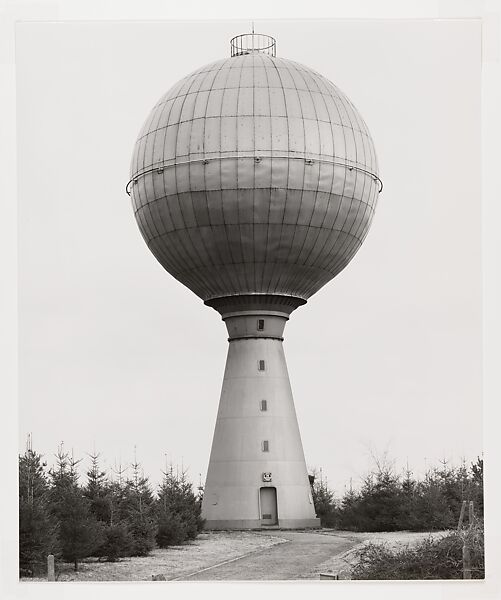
210 285
209 288
167 255
315 76
153 229
349 251
290 278
194 276
344 247
224 275
254 167
276 262
232 272
265 261
296 279
333 243
237 194
176 257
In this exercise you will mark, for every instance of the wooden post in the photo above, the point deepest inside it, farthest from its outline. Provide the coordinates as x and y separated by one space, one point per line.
466 560
461 514
51 572
466 543
471 514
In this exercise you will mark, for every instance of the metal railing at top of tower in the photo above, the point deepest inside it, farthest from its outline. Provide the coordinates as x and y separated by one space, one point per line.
161 166
249 43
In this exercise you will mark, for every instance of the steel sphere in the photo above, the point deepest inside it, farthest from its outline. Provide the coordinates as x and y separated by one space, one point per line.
254 175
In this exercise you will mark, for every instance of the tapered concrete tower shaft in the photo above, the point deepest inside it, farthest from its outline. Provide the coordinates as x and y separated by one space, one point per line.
257 473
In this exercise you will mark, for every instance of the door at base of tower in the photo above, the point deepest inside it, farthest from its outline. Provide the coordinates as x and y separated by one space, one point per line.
268 504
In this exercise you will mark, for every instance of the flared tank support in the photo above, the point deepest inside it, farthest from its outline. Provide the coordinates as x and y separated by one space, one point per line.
257 476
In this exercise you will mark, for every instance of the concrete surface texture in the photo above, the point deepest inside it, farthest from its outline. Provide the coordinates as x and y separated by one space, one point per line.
297 558
257 473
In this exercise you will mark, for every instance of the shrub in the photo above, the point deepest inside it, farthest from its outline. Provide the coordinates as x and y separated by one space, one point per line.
440 558
117 542
171 530
142 534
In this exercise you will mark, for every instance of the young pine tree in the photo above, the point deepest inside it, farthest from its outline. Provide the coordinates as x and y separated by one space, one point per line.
105 499
178 510
323 500
137 512
97 491
37 527
80 534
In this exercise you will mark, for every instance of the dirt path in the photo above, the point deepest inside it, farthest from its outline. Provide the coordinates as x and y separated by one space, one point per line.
294 559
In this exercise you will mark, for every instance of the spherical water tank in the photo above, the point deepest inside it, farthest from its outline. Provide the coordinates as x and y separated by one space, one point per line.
254 175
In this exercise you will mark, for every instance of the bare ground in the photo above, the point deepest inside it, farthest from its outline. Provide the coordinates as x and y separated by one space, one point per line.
210 548
241 555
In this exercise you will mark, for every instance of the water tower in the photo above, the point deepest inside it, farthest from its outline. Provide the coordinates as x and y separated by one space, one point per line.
254 182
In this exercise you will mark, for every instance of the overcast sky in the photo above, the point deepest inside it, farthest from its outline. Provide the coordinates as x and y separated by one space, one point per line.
114 352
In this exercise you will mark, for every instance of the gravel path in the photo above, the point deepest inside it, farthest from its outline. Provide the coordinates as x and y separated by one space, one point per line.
297 558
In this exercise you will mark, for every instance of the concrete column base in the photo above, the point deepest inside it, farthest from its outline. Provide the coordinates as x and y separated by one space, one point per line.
256 524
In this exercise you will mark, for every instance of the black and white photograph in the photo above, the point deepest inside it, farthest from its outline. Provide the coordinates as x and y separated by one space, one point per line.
251 304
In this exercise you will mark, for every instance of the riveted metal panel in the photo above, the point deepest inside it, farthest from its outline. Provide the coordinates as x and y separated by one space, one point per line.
170 183
215 208
170 142
296 135
280 173
292 103
262 174
246 77
175 212
230 207
286 80
175 110
214 103
234 76
230 103
277 204
321 204
228 170
212 135
262 102
246 177
306 208
228 134
296 173
245 104
245 134
183 139
277 102
197 138
212 173
261 213
183 178
292 205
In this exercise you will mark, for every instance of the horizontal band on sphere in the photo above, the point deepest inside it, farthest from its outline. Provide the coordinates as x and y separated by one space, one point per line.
160 167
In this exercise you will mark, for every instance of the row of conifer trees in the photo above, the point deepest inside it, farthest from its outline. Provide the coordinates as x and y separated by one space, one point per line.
389 501
105 517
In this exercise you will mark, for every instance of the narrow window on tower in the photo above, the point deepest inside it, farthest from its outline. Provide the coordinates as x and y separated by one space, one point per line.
264 405
261 366
260 324
266 446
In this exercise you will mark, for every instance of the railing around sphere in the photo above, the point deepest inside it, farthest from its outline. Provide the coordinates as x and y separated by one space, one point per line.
249 43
